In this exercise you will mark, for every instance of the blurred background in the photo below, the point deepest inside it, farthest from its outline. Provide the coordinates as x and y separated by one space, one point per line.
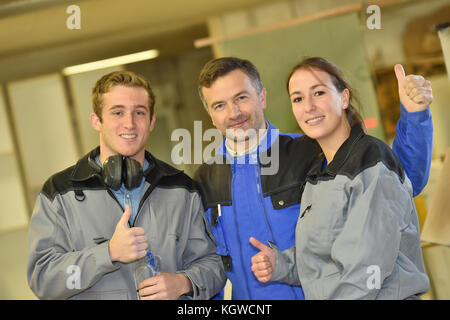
44 107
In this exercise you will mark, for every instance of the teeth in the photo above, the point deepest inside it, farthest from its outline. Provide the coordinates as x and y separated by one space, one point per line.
128 136
315 119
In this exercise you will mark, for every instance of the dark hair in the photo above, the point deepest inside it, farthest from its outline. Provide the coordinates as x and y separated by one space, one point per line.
120 78
220 67
339 81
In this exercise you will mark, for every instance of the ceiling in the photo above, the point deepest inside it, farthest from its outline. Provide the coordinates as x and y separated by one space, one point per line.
35 38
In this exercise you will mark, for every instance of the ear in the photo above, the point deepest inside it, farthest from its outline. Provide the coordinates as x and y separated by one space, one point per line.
345 97
152 122
96 123
262 96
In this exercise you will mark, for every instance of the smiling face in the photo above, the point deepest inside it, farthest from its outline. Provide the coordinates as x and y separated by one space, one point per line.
317 105
235 106
125 124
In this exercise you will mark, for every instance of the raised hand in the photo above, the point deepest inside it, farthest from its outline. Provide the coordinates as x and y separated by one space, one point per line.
414 90
263 263
127 244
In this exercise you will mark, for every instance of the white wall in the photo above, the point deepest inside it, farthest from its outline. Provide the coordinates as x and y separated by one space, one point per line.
13 210
44 128
13 276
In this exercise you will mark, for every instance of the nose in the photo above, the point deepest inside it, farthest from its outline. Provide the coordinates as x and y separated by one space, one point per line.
233 111
309 104
129 121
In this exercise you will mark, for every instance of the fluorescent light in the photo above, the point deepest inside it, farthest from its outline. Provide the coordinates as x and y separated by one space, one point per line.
112 62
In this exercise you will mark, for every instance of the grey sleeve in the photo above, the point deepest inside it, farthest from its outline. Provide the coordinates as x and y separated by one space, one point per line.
55 270
379 208
202 266
285 266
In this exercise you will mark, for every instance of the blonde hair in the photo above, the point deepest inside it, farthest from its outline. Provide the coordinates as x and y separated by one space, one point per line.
120 78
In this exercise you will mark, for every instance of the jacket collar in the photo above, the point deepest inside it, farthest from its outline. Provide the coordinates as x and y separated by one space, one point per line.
340 157
87 168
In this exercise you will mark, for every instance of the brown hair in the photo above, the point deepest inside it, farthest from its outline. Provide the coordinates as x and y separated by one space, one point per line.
120 78
220 67
339 81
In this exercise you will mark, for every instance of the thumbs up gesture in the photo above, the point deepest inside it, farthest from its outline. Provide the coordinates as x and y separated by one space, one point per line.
127 244
263 263
414 91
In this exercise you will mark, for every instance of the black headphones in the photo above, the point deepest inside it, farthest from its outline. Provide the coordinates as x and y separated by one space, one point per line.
118 169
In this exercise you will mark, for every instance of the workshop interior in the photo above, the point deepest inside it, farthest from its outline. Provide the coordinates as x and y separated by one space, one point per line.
53 52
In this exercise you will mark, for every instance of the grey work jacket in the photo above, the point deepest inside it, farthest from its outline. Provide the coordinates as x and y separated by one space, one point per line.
76 214
357 236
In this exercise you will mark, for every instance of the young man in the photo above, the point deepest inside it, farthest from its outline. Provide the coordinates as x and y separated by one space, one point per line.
94 220
242 201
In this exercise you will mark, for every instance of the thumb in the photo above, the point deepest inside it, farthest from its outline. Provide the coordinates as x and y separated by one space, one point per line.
125 217
399 73
259 245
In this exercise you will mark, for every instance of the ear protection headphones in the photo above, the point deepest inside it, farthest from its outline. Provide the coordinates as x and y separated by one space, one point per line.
119 169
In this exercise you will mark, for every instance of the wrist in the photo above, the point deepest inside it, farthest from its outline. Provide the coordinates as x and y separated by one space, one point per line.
186 287
412 110
112 256
414 116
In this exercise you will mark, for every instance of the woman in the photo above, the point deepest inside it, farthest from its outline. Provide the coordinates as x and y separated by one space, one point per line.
357 236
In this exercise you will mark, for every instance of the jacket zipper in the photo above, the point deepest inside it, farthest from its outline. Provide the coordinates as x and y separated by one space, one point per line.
141 203
233 175
117 201
258 183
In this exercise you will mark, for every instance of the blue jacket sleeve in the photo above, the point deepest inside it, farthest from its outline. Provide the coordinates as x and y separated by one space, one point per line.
413 145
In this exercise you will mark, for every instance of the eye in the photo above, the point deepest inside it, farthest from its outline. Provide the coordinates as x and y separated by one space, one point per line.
297 99
319 93
242 98
218 106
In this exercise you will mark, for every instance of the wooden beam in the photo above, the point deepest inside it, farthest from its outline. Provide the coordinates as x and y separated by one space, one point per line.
295 21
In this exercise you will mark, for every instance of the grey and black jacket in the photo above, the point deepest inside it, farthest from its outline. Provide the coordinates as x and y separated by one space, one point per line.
76 214
357 236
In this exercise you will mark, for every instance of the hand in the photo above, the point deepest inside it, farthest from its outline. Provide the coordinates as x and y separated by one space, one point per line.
263 263
127 244
414 91
166 286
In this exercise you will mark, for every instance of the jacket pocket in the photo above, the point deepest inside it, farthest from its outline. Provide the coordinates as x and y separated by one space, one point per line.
217 231
172 255
305 211
287 198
